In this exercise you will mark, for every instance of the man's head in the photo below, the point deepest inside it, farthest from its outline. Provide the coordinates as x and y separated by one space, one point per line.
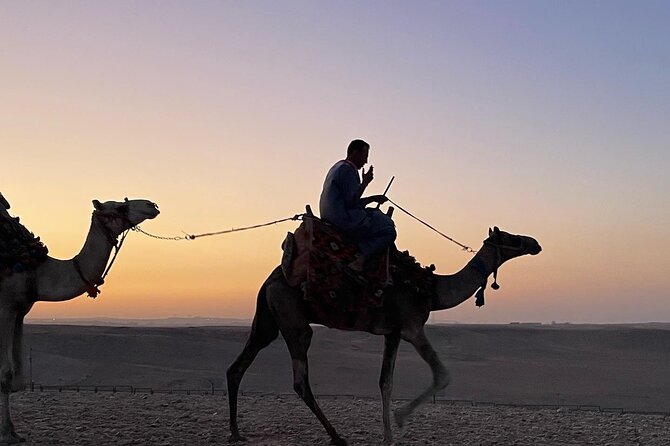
357 152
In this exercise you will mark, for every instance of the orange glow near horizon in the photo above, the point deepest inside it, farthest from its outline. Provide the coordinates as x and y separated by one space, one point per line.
230 114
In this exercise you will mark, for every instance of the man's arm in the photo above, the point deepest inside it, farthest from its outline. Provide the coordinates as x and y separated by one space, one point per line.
351 187
381 199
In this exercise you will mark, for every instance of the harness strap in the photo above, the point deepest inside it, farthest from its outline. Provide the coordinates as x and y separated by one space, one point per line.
477 265
91 288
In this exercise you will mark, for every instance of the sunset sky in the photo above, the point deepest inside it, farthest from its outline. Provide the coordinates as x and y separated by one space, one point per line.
548 119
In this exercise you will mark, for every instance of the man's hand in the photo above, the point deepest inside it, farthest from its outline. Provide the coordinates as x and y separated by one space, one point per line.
381 199
368 176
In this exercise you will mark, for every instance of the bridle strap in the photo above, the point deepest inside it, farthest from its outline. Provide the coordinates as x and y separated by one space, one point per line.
98 219
499 247
91 288
479 295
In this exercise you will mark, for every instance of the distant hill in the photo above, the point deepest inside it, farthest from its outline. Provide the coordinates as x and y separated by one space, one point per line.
608 365
159 322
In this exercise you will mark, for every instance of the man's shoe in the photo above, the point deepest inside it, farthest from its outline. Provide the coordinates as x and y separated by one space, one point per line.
358 264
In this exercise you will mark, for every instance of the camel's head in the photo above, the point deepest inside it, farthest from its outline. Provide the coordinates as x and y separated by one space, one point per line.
121 216
510 246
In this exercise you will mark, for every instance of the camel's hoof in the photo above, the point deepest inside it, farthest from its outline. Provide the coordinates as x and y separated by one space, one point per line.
338 441
236 438
12 438
400 416
18 438
18 386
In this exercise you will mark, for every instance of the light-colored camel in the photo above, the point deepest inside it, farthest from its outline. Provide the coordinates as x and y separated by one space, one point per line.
281 307
55 281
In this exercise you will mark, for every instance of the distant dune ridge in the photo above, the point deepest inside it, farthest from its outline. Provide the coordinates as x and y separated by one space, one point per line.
623 366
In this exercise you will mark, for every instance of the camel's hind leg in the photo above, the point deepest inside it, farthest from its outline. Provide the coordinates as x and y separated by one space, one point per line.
264 330
287 306
391 342
440 374
298 338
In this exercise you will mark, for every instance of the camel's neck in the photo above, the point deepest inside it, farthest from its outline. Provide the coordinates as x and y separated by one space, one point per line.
455 289
59 280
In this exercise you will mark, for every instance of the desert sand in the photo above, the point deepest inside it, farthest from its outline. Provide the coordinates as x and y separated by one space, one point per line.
162 419
575 371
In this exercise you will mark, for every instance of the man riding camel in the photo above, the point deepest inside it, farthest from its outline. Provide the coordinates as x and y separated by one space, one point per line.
341 204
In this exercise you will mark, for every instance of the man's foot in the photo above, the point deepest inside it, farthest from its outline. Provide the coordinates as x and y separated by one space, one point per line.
358 264
356 276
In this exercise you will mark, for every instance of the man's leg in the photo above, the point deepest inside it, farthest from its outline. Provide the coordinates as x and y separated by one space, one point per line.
378 234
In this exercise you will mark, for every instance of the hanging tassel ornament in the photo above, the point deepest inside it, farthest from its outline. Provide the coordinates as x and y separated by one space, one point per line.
495 285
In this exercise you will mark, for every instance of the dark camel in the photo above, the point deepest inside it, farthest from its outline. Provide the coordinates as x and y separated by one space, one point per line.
281 307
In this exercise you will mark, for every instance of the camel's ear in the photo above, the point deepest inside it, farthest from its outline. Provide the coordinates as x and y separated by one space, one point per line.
490 232
97 205
496 230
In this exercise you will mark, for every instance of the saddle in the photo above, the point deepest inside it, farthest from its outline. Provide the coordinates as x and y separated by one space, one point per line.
20 250
315 258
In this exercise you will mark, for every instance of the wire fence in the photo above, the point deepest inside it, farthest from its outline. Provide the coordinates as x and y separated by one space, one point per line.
133 390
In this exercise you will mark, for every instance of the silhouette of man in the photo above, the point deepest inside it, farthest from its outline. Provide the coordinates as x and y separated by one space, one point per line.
341 204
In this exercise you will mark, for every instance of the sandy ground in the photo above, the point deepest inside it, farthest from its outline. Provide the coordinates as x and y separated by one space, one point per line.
72 418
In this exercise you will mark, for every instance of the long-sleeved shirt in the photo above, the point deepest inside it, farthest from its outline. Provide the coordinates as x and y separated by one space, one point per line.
340 201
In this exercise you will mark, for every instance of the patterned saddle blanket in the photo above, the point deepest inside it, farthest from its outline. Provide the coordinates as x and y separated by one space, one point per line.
316 258
20 250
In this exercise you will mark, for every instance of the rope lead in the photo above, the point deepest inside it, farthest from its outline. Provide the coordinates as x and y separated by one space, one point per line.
228 231
465 248
295 217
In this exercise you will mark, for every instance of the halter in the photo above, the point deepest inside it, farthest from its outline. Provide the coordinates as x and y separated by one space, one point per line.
479 295
100 220
498 247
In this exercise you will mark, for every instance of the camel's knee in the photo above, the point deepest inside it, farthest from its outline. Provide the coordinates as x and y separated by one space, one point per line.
385 385
442 379
6 379
301 387
301 383
232 374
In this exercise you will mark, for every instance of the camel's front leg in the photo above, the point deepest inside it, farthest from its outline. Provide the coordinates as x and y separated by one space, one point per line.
440 374
18 380
7 375
391 343
7 433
